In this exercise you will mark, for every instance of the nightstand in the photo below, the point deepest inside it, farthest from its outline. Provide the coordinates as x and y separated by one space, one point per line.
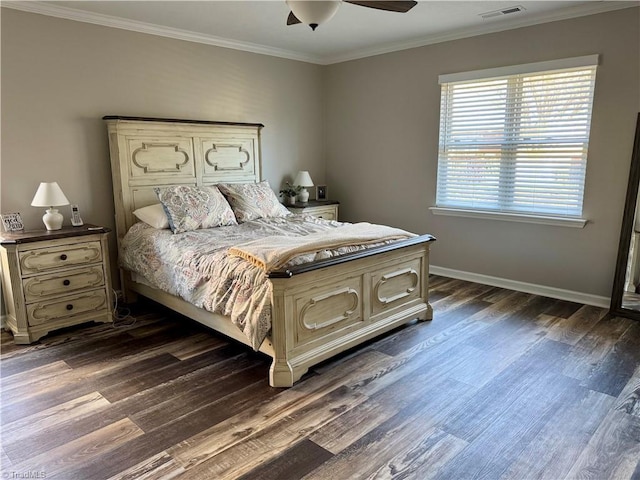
326 209
54 279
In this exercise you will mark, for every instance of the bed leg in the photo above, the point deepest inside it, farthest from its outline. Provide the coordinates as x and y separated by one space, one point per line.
281 374
128 295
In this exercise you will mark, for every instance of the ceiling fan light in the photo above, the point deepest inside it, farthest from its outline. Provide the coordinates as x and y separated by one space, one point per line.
313 12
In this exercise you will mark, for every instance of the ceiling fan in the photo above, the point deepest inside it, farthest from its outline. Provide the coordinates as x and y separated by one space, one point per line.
315 12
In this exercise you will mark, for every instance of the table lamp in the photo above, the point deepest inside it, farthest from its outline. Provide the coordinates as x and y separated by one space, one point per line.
303 179
49 194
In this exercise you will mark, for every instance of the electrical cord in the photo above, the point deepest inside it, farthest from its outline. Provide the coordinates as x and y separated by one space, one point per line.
121 315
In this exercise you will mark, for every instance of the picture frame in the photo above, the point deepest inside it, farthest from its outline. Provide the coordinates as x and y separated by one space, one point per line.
321 192
12 222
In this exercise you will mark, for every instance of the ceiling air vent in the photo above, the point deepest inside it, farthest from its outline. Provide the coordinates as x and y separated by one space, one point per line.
504 11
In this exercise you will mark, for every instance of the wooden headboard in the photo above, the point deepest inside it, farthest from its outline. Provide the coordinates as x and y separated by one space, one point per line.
154 152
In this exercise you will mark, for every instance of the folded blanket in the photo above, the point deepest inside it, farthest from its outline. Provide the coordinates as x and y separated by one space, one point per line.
272 253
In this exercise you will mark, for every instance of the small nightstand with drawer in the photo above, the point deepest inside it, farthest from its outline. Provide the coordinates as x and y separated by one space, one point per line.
326 209
55 279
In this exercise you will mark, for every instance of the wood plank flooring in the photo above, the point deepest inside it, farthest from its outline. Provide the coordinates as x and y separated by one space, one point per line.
500 385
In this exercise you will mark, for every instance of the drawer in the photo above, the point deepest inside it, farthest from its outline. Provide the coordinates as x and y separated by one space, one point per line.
46 259
62 283
42 312
324 213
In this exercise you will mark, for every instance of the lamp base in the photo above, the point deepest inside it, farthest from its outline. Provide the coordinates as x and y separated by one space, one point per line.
303 195
52 219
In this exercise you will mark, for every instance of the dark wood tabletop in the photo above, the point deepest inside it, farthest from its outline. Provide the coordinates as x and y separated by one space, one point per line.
26 236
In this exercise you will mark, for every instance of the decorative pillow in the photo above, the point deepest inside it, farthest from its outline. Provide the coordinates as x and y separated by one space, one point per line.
251 201
153 215
190 208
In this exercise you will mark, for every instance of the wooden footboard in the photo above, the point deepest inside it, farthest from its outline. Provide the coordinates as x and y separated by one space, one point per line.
321 312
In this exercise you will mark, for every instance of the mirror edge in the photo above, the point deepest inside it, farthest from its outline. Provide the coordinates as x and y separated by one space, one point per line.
626 231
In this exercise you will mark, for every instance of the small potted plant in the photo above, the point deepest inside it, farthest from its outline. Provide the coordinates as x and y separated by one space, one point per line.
289 193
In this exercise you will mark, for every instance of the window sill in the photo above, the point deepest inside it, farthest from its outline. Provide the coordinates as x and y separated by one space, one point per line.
511 217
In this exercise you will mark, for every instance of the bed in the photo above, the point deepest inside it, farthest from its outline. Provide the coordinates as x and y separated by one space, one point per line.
317 308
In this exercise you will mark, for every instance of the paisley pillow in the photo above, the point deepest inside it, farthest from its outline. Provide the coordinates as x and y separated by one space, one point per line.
251 201
191 208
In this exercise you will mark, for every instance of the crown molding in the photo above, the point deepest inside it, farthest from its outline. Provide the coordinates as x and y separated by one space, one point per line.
152 29
581 10
67 13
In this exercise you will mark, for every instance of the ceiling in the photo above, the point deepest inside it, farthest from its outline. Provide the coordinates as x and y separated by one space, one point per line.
354 32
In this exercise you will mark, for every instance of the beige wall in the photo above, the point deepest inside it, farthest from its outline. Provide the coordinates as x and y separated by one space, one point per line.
382 147
60 77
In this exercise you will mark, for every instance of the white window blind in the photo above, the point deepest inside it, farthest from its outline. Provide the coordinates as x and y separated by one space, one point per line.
516 142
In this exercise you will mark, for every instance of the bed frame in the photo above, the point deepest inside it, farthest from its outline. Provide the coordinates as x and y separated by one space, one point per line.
319 309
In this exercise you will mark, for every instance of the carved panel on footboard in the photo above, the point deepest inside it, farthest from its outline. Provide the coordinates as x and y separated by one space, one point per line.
396 286
327 311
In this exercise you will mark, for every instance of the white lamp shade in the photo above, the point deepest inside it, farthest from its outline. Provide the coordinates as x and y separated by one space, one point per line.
313 12
303 179
49 194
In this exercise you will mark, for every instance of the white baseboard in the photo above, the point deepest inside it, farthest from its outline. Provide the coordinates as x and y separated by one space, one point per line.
542 290
3 321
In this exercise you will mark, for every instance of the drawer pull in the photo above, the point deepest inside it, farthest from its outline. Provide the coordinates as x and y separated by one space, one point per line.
63 256
67 282
69 307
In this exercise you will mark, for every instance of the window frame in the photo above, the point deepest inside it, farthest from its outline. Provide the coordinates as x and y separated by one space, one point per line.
511 74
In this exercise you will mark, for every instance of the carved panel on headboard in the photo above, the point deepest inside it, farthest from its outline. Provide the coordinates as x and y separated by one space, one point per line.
228 158
161 156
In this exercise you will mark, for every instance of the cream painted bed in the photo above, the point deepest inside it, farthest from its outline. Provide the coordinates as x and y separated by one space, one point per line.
319 309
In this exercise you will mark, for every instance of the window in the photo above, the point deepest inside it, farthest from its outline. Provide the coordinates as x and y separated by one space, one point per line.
515 139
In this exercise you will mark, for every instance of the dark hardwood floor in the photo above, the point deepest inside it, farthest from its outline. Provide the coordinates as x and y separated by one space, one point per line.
500 385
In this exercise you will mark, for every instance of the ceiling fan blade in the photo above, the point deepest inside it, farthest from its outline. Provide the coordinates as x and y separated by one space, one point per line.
292 19
389 5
